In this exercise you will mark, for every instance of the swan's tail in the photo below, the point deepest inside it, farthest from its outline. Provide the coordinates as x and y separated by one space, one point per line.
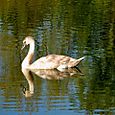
75 62
80 59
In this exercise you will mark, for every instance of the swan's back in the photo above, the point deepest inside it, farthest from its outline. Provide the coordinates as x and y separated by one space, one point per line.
54 61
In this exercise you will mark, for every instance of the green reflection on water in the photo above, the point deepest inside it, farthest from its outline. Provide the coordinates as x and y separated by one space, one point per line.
70 27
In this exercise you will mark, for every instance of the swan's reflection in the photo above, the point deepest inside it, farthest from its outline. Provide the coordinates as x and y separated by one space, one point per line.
52 74
46 74
28 74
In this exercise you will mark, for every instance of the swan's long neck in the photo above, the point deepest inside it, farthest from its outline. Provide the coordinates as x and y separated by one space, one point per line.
28 59
31 48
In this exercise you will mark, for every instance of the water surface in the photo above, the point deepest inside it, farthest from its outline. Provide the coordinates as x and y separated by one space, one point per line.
70 27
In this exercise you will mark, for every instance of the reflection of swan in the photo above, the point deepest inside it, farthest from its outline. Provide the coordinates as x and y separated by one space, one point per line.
49 62
49 74
29 77
55 74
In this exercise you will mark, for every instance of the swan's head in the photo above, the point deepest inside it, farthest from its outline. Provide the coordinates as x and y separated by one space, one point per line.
28 40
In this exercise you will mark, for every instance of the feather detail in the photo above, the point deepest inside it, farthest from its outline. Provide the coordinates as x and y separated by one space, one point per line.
51 61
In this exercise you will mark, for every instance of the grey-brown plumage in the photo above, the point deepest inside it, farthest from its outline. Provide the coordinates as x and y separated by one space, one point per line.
52 61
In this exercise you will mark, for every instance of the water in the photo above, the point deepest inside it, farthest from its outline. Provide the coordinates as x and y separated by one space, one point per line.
71 27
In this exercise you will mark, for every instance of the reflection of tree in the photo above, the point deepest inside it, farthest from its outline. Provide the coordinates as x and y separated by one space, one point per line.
69 27
100 45
21 15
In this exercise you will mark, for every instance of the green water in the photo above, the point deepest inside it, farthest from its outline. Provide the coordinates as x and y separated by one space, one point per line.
70 27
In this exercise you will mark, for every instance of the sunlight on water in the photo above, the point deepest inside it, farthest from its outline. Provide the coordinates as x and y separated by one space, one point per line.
68 27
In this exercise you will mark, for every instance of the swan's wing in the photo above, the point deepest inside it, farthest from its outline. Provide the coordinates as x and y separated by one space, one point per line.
60 59
44 63
54 61
64 61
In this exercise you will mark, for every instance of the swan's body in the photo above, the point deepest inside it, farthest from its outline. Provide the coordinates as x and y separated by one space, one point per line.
51 61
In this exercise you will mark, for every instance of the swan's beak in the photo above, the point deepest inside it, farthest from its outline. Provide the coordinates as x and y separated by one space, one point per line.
23 46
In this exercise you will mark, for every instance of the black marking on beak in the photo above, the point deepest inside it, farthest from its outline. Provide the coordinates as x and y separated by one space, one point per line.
24 44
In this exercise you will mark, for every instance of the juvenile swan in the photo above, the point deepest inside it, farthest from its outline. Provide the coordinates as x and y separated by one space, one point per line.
51 61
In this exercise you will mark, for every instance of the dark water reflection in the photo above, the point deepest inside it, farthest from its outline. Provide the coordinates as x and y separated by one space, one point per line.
71 27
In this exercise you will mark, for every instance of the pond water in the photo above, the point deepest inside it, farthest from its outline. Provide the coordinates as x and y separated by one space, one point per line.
69 27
